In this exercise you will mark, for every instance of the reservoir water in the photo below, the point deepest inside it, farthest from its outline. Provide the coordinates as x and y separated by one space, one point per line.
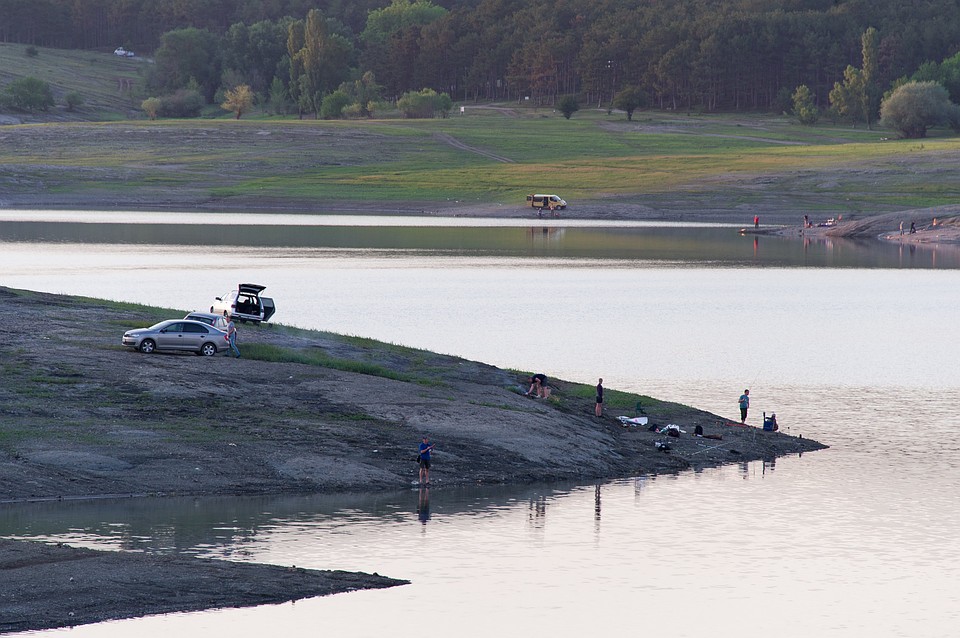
850 343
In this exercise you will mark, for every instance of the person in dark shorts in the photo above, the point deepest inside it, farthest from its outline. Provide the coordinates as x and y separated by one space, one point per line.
537 383
599 408
744 403
424 456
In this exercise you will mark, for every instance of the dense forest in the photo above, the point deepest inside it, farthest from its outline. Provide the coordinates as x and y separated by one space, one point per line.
704 54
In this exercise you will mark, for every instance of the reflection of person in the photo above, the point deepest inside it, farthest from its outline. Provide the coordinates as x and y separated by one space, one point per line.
232 334
424 457
599 408
537 382
744 403
423 505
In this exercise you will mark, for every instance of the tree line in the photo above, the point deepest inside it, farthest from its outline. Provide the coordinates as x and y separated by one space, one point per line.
733 55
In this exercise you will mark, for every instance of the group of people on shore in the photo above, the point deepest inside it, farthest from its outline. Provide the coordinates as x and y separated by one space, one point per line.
538 389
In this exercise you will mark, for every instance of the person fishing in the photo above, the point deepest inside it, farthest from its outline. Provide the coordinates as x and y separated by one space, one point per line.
424 458
744 403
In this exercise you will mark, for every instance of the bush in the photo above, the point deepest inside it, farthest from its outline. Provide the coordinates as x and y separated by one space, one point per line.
424 104
183 103
29 94
353 112
151 106
73 100
31 52
568 105
332 106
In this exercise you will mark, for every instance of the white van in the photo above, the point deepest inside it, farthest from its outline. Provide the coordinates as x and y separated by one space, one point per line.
550 202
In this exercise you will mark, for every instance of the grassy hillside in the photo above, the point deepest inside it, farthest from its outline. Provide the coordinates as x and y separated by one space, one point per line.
485 157
96 76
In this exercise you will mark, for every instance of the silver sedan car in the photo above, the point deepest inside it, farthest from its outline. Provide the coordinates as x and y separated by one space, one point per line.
178 335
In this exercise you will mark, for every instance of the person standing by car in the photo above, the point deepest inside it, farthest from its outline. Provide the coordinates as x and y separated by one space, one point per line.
232 335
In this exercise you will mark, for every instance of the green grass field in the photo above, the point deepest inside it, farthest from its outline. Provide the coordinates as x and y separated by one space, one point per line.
488 155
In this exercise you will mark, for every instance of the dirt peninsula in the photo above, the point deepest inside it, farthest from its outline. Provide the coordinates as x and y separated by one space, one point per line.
301 412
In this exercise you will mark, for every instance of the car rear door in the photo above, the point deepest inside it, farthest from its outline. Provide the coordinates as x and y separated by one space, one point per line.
193 336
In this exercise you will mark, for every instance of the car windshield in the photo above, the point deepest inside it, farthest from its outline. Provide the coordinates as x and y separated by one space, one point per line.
157 326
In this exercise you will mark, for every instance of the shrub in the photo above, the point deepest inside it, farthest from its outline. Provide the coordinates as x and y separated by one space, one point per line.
29 94
425 103
568 105
151 106
353 111
73 100
31 52
332 105
183 103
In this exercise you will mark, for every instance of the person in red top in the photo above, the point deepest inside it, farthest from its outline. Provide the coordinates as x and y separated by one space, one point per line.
756 221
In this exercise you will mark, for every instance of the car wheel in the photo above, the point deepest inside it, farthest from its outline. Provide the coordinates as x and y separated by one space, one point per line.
147 346
208 349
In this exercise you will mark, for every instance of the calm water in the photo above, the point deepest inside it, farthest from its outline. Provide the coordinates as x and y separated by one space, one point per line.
849 343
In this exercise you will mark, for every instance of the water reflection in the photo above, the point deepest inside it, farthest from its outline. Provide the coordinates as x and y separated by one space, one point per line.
423 505
233 524
694 244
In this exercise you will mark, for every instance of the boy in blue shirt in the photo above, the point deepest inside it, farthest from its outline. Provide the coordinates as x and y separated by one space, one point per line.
424 457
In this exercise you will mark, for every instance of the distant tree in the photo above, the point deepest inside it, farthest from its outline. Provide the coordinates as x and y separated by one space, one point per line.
568 105
238 99
946 73
73 100
255 52
846 97
151 106
321 63
185 55
803 106
29 94
391 41
630 99
364 93
279 98
913 108
858 96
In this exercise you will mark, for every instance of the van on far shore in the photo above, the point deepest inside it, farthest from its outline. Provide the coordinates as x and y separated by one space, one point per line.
550 202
